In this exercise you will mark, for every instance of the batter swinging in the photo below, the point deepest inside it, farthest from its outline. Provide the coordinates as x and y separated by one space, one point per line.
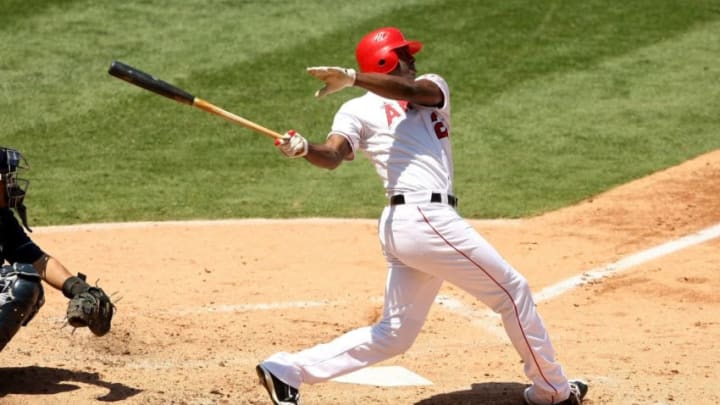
402 124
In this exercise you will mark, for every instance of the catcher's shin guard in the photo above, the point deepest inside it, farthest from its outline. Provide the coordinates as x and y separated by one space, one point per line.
21 296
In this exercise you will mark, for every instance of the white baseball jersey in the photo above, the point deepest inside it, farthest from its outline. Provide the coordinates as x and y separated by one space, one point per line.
408 144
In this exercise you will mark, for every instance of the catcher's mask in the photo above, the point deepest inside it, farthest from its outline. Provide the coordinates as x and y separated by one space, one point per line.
11 162
376 51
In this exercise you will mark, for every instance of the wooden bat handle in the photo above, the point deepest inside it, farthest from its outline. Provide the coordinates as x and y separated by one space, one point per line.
211 108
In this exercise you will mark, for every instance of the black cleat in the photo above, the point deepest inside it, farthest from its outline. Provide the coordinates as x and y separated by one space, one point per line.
578 390
280 393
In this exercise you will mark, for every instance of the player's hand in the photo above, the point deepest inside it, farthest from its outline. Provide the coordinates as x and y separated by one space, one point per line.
335 78
292 144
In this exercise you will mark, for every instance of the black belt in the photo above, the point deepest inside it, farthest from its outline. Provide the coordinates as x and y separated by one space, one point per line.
399 199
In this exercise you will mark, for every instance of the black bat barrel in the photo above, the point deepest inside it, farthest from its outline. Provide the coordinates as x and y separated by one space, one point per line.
149 82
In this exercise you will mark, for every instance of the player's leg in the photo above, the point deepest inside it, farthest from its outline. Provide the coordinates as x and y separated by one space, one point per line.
409 294
447 246
408 297
21 296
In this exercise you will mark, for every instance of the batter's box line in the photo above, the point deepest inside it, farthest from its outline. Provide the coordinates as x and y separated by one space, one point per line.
228 308
628 262
491 321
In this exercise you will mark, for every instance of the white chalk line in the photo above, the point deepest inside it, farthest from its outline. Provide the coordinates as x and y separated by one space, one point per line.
491 321
109 226
483 318
257 307
628 262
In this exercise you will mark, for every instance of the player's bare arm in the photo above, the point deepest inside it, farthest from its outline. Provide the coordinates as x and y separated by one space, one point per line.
400 84
420 92
330 154
52 271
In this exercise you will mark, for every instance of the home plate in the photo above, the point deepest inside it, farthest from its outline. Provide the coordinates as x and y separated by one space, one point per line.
386 376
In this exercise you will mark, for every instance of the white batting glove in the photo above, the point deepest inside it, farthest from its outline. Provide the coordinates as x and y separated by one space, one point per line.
335 78
292 144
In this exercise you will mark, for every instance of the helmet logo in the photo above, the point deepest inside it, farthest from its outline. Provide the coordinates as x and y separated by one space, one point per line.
380 36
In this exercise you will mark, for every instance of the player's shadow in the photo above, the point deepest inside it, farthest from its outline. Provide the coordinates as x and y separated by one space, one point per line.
33 380
490 393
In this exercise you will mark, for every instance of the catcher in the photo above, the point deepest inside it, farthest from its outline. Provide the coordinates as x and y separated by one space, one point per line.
21 291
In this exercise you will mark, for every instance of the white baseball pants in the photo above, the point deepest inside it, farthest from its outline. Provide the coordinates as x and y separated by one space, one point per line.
426 244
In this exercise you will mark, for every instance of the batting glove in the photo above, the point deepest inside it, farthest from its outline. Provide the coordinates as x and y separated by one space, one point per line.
292 144
335 78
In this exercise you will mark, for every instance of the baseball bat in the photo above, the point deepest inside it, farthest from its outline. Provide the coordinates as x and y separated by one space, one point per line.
151 83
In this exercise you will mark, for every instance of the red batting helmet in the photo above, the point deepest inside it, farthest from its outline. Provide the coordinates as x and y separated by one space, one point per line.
375 51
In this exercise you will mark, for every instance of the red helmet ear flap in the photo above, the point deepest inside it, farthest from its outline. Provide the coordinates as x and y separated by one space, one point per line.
385 61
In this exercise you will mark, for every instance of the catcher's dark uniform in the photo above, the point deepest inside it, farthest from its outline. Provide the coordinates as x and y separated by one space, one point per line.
15 245
21 291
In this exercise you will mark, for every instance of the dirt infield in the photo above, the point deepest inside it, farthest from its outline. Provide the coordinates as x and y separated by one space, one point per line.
203 302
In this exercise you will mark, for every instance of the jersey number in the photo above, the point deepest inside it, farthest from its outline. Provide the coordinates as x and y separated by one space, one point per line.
441 130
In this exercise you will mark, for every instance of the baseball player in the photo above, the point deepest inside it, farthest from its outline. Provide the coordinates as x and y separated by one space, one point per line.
402 125
21 290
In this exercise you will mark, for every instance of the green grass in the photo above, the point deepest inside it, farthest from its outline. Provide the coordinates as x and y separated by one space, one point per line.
553 101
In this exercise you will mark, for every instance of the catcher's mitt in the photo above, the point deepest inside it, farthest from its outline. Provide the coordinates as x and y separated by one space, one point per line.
92 308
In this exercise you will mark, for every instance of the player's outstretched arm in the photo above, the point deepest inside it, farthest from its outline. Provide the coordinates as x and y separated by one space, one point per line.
420 92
